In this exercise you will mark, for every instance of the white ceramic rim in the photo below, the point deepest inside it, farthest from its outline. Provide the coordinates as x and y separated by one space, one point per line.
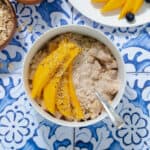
110 20
81 30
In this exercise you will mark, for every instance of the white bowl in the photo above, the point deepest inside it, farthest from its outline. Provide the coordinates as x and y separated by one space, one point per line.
81 30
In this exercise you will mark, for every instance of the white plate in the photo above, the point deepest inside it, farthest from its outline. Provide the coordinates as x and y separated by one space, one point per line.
93 12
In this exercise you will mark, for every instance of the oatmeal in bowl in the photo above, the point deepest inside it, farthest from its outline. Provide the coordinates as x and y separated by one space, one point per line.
63 68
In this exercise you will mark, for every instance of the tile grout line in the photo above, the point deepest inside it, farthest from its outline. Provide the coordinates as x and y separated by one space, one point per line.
74 138
72 11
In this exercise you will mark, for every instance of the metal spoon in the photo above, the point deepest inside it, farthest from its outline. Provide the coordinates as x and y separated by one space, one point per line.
115 118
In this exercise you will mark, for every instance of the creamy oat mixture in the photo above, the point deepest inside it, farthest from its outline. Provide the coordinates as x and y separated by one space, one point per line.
95 67
6 23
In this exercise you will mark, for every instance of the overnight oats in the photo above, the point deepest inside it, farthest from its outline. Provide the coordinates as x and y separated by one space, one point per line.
64 73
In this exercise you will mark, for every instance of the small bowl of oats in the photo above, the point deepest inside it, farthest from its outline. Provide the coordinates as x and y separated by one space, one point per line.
7 23
62 69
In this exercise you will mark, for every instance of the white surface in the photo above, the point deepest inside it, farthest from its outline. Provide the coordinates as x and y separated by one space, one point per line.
92 11
85 31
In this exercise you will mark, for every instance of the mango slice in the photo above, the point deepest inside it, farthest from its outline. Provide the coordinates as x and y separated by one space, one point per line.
127 8
52 46
50 90
112 5
98 1
137 5
63 99
47 68
49 95
125 5
77 110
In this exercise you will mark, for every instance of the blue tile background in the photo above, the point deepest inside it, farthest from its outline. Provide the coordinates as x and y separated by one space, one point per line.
21 128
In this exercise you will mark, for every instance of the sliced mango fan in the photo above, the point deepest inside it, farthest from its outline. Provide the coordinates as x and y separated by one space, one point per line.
55 85
126 6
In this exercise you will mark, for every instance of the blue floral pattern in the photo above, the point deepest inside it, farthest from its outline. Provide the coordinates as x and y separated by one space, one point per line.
86 140
22 128
59 140
134 130
16 126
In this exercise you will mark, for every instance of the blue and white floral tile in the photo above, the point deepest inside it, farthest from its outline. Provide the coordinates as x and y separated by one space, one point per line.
134 109
11 58
10 90
52 137
32 22
21 127
138 91
136 59
136 52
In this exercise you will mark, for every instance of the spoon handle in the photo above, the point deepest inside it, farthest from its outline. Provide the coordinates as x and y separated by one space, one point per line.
115 118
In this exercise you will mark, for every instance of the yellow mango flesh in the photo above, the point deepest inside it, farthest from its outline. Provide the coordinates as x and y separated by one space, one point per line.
74 100
98 1
112 5
47 68
137 5
49 95
52 46
125 5
51 88
126 8
63 99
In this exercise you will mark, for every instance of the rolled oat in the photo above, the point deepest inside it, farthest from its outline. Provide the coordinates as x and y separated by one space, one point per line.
6 23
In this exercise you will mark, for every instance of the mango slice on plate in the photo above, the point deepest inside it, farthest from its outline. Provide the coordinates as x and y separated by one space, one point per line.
126 8
137 5
51 88
112 5
77 110
47 68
